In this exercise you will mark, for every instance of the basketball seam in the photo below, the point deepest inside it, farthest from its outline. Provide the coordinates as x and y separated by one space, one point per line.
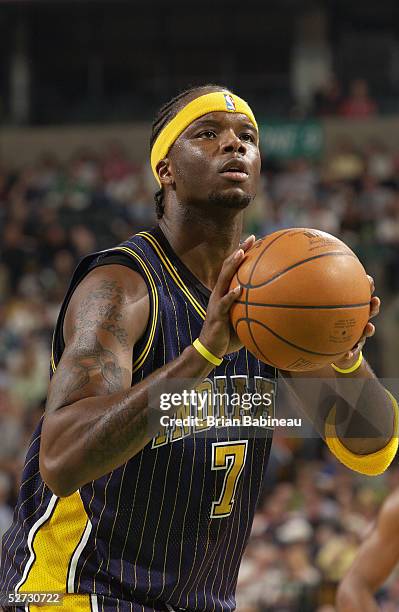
296 346
266 358
301 306
259 256
292 267
247 319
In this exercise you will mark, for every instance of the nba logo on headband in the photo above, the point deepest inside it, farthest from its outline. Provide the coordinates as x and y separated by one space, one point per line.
230 105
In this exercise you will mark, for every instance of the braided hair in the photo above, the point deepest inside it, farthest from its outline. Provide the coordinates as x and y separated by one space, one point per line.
163 116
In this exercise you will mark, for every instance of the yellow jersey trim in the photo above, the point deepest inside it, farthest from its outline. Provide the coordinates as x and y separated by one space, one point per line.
52 361
141 358
372 464
176 277
144 353
52 542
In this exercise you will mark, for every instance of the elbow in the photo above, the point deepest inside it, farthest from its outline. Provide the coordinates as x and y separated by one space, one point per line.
56 478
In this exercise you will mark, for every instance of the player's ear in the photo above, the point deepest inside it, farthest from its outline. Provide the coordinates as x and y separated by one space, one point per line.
164 169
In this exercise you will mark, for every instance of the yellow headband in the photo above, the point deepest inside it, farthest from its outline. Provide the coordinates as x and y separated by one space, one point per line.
209 103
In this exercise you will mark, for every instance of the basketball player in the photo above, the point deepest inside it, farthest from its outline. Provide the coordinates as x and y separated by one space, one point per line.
116 512
375 560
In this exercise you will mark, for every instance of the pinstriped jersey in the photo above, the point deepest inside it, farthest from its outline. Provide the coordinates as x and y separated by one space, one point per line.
167 529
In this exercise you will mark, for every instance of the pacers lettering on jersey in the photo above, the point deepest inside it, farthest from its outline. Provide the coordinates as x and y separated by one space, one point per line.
220 402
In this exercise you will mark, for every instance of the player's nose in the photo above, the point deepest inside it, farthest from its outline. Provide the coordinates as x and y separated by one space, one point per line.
231 143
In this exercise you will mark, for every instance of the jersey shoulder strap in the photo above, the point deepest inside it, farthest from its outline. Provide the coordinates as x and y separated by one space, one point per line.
132 254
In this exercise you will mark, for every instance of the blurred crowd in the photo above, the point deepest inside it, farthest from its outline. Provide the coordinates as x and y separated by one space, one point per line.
352 194
330 99
51 214
313 517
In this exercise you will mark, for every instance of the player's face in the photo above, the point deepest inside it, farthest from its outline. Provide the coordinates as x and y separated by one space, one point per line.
216 159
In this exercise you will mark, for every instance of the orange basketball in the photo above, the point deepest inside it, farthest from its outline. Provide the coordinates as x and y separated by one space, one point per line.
305 299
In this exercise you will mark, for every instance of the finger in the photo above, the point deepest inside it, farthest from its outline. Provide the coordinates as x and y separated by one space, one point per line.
354 352
227 272
369 330
228 300
372 285
375 304
248 243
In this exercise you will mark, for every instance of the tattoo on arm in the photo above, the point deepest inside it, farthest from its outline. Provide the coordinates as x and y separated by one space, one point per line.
91 360
118 429
94 313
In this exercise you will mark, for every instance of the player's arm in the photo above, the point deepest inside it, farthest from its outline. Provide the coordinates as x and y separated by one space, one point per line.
95 420
373 563
354 413
357 407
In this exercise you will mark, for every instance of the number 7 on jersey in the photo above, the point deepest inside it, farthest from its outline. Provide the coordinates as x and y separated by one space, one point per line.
229 456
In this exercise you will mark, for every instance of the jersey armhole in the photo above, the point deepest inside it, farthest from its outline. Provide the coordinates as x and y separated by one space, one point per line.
133 261
128 257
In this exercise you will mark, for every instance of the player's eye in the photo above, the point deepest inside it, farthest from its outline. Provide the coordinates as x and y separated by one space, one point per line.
207 134
247 137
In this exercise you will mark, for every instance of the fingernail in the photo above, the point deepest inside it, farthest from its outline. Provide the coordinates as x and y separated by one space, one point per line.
237 289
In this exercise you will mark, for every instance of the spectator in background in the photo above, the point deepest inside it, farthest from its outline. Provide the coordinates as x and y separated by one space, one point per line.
116 165
311 58
261 559
388 236
28 371
15 251
328 99
359 104
380 162
83 241
374 197
5 511
296 180
336 555
11 429
345 163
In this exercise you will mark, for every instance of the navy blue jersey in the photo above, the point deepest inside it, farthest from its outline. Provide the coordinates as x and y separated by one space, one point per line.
167 529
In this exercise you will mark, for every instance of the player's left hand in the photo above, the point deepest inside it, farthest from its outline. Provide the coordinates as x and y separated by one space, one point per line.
350 357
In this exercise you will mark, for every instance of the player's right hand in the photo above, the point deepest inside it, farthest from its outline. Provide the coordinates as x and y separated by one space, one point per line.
217 333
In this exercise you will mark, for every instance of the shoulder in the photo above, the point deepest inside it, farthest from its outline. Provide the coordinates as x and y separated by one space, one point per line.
115 281
114 292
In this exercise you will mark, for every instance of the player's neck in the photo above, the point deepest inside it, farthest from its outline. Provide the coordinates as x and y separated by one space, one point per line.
203 242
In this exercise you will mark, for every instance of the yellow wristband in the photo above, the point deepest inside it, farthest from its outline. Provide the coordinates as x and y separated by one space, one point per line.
372 464
353 368
205 353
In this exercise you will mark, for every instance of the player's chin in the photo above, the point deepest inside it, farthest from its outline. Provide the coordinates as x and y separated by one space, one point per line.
233 197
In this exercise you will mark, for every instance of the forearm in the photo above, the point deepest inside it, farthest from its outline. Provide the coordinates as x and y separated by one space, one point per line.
364 412
364 415
95 435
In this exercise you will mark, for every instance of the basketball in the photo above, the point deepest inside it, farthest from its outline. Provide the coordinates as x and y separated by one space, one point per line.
305 299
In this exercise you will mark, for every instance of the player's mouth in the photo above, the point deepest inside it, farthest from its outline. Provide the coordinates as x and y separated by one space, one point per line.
234 170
